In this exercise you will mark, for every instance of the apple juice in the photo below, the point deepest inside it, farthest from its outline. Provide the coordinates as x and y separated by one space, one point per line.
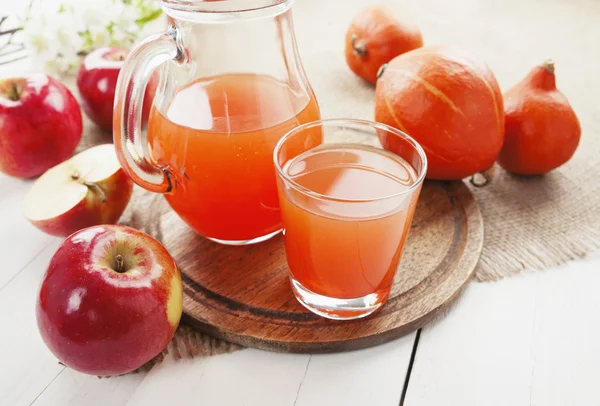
345 238
217 138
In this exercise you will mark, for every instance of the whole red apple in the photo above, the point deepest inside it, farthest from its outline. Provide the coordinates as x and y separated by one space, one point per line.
110 300
40 124
86 190
97 81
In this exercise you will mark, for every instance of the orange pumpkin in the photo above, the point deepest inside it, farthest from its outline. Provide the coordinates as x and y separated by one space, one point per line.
375 37
447 100
542 130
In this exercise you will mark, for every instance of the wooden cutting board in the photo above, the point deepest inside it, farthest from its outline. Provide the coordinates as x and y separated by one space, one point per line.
242 294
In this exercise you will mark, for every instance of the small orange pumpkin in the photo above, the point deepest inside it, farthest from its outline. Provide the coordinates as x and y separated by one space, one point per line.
449 102
375 37
542 130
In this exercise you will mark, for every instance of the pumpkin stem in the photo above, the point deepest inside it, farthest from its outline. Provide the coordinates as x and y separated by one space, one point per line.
548 65
359 47
542 76
381 70
481 179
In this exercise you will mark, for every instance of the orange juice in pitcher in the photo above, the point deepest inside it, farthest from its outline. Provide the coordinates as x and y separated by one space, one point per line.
220 133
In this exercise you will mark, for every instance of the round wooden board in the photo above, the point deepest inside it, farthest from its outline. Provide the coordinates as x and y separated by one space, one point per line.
242 294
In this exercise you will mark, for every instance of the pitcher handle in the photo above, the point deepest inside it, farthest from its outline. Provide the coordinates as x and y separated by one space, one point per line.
131 143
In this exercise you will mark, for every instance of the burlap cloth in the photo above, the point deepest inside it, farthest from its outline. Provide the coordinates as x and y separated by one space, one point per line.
530 223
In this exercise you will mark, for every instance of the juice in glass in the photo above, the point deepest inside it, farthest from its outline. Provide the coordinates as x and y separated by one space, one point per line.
217 138
347 210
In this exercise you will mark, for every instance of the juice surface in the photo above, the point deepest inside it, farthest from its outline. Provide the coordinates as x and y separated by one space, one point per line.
217 138
347 249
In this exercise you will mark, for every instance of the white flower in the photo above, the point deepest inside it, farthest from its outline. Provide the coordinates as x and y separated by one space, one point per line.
57 36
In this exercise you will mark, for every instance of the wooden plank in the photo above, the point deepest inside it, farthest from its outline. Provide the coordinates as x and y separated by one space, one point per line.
71 388
566 346
20 242
480 353
246 377
27 365
10 186
254 377
374 376
528 340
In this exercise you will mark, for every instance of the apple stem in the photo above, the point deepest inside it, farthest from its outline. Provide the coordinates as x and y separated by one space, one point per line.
120 263
75 176
13 93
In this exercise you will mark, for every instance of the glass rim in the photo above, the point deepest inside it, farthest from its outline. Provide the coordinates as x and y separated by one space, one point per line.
225 6
350 121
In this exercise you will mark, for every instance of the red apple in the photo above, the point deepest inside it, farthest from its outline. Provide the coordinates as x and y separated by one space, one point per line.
40 124
87 190
110 300
97 81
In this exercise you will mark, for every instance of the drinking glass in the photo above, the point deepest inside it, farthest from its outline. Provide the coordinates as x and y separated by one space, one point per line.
347 205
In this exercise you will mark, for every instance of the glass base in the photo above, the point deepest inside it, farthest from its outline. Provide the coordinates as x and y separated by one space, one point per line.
339 309
246 242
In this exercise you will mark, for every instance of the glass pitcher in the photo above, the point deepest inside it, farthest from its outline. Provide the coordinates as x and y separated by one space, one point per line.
230 85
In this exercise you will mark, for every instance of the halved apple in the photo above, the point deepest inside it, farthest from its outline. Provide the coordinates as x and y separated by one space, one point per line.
88 189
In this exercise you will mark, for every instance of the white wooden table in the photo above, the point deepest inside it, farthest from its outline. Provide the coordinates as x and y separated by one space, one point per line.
528 340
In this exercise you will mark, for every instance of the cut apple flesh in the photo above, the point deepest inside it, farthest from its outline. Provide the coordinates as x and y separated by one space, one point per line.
62 187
